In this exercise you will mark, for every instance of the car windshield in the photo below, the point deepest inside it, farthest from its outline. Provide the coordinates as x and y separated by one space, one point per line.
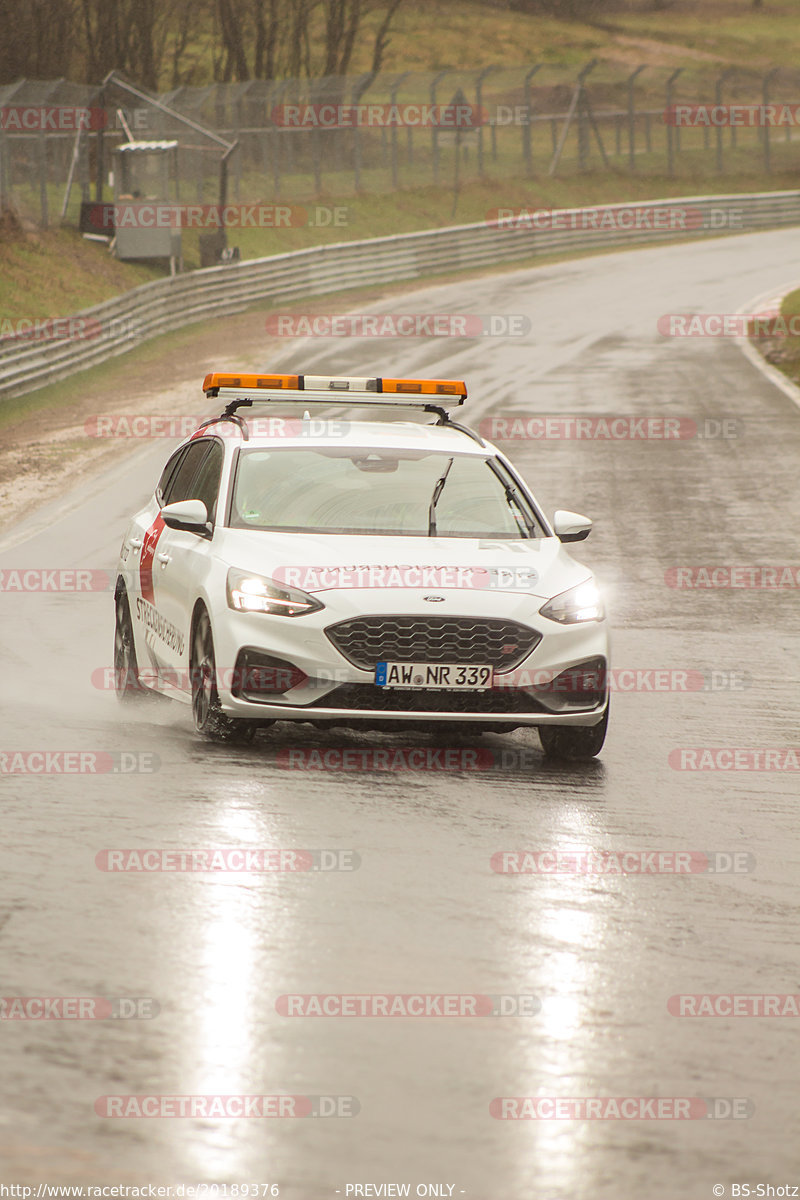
405 493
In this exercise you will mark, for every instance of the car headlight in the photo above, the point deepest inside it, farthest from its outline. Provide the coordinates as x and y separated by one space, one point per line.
578 604
257 593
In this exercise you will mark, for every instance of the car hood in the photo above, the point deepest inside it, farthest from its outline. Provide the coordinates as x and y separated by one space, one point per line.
322 562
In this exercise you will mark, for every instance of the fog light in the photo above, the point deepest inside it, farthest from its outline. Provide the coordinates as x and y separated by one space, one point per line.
258 676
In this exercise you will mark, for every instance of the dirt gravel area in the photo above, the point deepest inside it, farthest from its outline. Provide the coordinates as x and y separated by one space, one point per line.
43 451
51 446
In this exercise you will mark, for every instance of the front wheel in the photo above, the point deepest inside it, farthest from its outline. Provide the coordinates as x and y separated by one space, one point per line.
126 670
574 742
209 719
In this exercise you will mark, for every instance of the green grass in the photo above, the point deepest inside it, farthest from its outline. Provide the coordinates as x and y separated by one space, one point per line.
154 363
729 30
53 274
57 274
104 379
784 352
432 35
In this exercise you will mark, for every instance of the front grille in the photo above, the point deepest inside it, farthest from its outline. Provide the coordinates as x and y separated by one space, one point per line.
365 641
358 696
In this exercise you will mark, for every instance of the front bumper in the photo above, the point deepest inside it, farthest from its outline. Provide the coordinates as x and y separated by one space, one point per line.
328 695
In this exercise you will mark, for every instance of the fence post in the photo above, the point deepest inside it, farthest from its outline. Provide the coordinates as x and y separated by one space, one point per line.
583 132
435 130
718 99
42 164
100 168
632 117
527 149
277 142
670 122
393 102
3 186
768 78
362 83
577 104
315 92
478 101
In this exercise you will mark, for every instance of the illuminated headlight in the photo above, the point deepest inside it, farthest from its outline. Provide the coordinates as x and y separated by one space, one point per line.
581 603
257 593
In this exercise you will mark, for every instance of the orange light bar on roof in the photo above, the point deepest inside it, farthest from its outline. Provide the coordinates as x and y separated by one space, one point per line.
322 383
425 387
216 379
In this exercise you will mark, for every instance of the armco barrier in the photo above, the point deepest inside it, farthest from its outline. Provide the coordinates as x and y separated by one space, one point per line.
167 304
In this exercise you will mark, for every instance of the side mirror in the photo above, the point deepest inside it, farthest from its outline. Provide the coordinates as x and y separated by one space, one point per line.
570 526
191 515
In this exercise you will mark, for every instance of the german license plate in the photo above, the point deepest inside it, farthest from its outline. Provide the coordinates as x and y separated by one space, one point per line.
442 676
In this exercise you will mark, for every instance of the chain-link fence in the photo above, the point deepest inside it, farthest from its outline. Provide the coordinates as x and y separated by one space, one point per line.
300 139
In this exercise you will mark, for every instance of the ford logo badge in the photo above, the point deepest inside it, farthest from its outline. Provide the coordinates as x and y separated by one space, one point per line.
433 599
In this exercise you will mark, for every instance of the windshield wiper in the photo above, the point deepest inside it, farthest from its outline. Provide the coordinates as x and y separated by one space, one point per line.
513 502
437 491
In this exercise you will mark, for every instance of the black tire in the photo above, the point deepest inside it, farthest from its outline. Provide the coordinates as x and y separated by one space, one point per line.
574 742
209 719
126 670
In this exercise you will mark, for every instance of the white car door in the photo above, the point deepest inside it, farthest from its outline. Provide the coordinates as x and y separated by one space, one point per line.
182 558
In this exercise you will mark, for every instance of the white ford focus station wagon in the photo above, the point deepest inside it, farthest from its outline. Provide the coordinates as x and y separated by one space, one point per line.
378 574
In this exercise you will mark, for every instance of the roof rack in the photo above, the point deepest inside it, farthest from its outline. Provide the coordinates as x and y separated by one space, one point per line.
228 416
242 391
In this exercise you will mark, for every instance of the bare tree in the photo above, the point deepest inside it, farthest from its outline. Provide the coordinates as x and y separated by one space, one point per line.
38 40
149 39
265 39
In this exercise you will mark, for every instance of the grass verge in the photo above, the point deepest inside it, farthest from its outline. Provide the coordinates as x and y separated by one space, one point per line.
55 274
784 352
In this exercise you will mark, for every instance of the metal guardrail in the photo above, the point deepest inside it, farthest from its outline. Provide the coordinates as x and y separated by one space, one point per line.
119 325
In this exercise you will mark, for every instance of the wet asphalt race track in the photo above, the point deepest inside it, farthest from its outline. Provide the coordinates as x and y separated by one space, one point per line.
424 912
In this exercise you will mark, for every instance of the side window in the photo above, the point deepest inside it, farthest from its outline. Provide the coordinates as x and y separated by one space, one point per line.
206 485
168 473
180 486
